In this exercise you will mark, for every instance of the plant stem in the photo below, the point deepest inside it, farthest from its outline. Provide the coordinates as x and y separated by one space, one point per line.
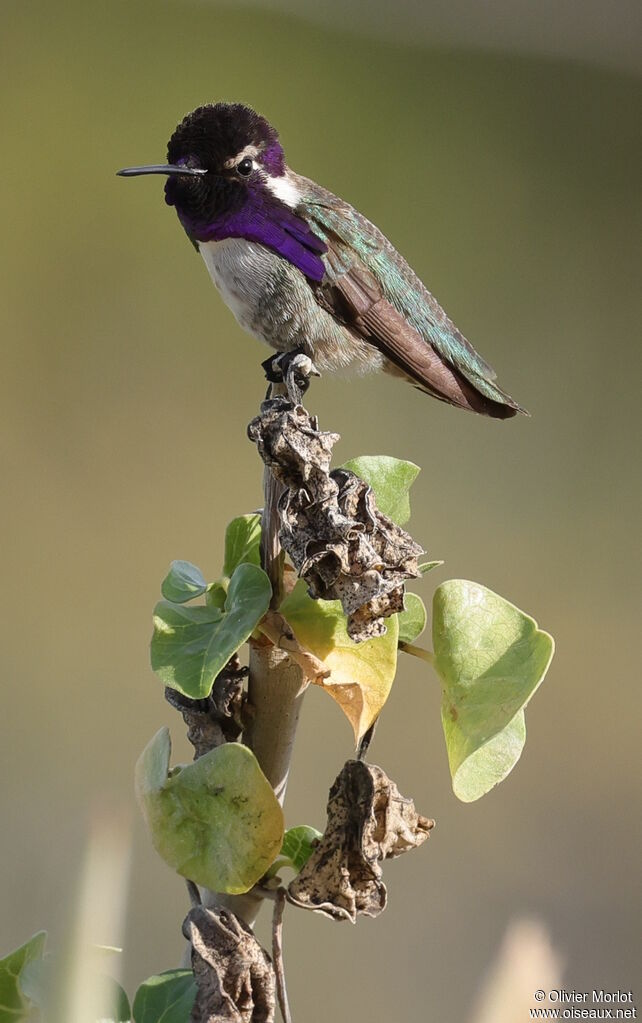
277 955
275 693
271 555
275 689
276 680
417 651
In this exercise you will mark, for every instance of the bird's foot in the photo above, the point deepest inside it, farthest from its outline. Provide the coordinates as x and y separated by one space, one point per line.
293 369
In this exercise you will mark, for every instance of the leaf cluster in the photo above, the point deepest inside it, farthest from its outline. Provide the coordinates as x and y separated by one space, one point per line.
217 821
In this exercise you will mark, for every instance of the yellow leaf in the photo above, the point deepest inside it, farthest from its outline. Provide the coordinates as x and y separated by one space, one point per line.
361 674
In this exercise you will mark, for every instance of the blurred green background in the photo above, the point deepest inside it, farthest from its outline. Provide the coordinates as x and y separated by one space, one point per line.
512 185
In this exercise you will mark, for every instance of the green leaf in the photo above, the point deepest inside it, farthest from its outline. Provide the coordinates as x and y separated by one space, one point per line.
491 658
38 982
428 566
412 620
391 480
14 1003
184 651
117 1008
191 645
361 673
44 982
298 845
216 821
166 998
183 582
152 767
242 540
216 593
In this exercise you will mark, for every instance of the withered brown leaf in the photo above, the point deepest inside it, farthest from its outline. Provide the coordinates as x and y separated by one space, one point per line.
234 975
331 528
368 821
218 717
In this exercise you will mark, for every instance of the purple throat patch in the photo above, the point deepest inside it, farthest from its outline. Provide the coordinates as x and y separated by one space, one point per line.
269 223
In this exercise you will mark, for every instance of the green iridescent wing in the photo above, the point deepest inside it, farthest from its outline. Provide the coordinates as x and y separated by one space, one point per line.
358 249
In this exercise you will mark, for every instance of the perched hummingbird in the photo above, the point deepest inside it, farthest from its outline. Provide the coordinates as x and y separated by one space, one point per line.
302 270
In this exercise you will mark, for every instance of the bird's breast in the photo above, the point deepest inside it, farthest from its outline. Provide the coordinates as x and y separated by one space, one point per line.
244 272
273 301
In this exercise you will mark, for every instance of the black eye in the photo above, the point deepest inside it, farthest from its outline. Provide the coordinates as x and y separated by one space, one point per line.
245 166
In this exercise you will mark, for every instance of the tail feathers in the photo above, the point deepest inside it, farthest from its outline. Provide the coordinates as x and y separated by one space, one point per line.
462 394
433 375
504 406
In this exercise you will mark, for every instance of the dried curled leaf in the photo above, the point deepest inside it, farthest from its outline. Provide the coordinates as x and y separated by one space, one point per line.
233 973
368 821
331 528
216 718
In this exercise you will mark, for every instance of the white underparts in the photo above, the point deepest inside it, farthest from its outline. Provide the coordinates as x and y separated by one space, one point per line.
240 270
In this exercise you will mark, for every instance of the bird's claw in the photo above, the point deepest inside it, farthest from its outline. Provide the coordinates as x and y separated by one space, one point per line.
272 370
294 369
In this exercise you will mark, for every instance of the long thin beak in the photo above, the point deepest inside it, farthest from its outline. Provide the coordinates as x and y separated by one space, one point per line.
160 168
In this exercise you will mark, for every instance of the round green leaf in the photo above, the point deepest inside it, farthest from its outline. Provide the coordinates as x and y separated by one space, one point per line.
183 582
15 1004
412 620
491 658
166 998
299 844
216 821
191 645
242 541
390 479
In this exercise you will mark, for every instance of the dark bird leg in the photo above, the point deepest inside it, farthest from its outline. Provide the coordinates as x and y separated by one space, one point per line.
293 368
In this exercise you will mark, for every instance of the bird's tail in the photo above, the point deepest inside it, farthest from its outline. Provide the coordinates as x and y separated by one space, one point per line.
435 376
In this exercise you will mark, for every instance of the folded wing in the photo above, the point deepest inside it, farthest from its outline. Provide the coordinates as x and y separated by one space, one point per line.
373 290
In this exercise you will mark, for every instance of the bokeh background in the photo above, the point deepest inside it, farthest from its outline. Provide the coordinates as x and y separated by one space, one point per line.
510 178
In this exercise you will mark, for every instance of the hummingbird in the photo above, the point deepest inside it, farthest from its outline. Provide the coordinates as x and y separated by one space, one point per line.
306 272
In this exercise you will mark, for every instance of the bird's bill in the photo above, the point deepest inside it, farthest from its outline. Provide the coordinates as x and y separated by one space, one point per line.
160 168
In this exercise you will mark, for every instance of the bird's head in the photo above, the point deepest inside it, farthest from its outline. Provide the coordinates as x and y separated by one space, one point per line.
220 157
227 178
